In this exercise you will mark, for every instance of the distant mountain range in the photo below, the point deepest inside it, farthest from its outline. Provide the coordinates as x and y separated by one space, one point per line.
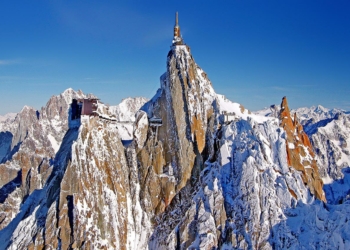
188 169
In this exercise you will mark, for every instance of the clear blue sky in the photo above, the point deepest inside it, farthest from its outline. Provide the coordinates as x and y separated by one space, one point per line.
254 52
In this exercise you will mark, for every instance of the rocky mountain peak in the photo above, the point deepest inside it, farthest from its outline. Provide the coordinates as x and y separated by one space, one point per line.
320 109
300 154
173 151
188 169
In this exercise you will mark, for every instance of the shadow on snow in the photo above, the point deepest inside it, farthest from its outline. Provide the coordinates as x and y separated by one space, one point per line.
39 201
317 225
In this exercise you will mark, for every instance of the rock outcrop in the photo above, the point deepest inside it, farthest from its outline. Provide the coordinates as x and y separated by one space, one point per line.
300 153
172 156
86 182
36 137
195 172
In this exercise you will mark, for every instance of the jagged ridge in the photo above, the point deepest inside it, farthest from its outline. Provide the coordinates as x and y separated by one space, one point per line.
203 179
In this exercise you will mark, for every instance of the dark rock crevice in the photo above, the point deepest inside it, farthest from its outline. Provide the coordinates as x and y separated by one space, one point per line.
8 188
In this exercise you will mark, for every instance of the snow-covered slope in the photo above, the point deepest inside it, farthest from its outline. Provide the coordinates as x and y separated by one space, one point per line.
126 110
125 115
199 172
329 133
316 114
28 146
7 117
328 130
239 111
36 167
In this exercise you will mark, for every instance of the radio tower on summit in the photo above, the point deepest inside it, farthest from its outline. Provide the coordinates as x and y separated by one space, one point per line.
177 35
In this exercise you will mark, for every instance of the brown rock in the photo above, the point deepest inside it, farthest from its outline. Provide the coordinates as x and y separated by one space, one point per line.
171 158
296 141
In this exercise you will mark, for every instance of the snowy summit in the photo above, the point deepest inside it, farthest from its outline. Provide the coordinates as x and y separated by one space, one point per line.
187 169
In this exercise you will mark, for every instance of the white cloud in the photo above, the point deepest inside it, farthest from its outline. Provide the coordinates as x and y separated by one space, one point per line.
9 62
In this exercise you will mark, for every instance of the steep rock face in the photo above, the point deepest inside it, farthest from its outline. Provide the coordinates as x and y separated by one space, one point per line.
91 198
174 150
242 192
210 175
38 204
97 183
36 137
250 197
328 131
300 154
5 145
